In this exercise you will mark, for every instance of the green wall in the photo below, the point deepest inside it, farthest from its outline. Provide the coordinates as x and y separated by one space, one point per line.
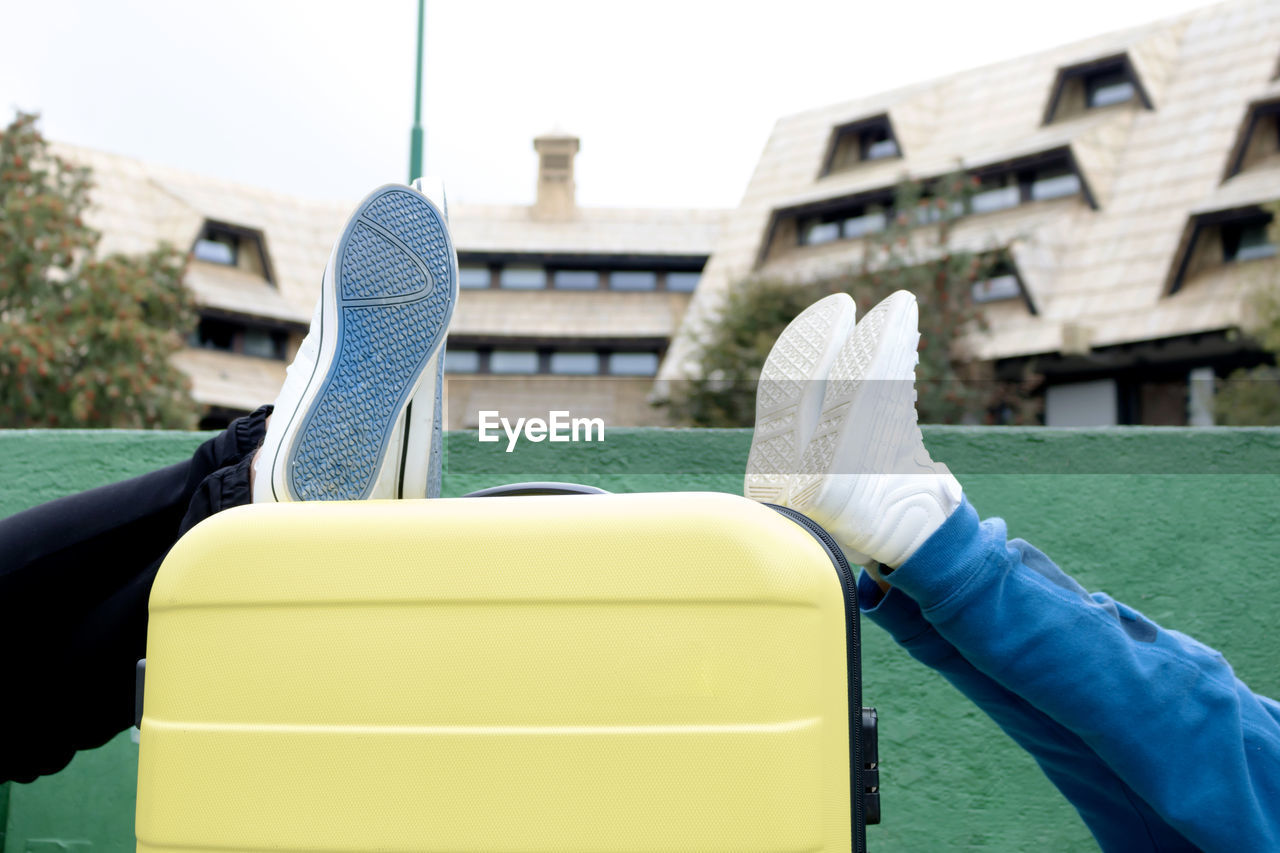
1182 524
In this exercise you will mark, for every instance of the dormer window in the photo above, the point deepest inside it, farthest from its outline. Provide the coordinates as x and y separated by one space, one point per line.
863 141
233 246
1222 237
1258 139
1094 85
217 247
1108 86
1000 284
877 144
1247 241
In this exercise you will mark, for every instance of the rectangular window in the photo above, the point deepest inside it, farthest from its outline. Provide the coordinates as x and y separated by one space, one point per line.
575 363
523 278
1112 86
815 232
263 344
928 211
862 141
212 333
216 334
844 219
1003 286
683 282
513 361
473 276
633 280
218 248
461 361
877 144
1054 183
575 279
633 363
1255 246
1246 242
997 193
864 224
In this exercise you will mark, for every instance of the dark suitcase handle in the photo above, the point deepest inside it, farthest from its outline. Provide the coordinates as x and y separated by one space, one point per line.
870 766
536 488
139 684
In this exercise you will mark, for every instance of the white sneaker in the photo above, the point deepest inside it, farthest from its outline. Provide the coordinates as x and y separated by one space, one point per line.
338 429
789 394
423 418
865 475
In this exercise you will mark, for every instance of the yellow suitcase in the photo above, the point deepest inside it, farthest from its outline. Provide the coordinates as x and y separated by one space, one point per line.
643 672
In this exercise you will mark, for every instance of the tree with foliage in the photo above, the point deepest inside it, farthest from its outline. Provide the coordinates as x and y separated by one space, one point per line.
912 253
1251 397
84 341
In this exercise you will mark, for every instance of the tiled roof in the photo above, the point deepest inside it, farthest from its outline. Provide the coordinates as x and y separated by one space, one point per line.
137 205
238 291
231 380
1147 170
593 231
597 314
1255 186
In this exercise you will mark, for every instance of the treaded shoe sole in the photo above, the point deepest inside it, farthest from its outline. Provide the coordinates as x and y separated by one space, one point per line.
395 275
790 392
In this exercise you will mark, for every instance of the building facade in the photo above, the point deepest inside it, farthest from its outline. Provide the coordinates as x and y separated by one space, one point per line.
561 306
566 307
1126 178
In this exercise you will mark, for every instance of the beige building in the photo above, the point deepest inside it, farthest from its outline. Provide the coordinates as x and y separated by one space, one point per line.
568 307
1125 175
561 306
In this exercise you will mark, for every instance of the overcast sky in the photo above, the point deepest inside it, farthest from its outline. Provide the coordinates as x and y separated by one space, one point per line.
673 100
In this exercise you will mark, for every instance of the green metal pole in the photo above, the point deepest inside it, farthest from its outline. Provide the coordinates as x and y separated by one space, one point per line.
415 136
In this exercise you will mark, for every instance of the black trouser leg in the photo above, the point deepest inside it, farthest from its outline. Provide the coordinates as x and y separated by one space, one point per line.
75 575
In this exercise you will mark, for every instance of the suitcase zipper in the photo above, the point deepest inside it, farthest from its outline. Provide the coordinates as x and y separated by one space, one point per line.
853 659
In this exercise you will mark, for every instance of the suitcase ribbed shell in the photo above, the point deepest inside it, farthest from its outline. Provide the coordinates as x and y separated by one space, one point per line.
652 672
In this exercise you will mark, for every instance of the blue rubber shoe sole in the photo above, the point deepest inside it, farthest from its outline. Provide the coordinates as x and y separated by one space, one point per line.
395 277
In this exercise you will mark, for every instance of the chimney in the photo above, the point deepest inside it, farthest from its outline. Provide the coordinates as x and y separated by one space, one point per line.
555 176
1077 339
